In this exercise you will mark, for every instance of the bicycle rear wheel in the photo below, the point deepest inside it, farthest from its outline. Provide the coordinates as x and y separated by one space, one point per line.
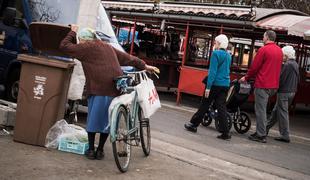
145 133
121 147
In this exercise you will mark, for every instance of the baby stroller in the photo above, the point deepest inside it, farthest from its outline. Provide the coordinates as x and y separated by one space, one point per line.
237 95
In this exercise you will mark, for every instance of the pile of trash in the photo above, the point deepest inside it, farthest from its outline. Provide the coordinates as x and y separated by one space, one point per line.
67 137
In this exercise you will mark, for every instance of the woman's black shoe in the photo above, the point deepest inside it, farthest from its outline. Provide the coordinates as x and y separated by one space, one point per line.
90 154
224 136
190 127
99 154
282 139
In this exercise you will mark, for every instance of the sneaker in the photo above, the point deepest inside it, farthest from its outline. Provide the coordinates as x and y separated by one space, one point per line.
99 154
258 138
224 137
281 139
90 154
190 127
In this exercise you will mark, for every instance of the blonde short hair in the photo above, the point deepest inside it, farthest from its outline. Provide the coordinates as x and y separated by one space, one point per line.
223 40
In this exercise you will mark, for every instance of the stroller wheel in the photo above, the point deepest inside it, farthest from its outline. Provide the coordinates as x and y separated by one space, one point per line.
229 120
207 120
243 123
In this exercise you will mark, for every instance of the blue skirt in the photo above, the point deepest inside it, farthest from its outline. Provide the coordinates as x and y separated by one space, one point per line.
98 114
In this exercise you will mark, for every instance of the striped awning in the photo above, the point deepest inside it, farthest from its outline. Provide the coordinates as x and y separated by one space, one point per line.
205 9
229 12
293 24
300 28
128 5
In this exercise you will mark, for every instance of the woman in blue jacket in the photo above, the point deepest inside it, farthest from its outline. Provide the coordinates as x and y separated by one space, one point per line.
216 88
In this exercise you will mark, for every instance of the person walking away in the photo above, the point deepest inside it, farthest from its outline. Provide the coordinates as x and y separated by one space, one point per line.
216 88
265 70
289 79
101 63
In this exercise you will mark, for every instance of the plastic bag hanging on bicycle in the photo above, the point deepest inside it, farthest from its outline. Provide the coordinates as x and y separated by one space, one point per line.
147 95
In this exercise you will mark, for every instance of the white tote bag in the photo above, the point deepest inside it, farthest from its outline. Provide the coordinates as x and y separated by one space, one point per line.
147 95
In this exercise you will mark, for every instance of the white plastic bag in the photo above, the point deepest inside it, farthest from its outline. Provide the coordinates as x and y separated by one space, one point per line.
63 129
77 82
147 95
125 99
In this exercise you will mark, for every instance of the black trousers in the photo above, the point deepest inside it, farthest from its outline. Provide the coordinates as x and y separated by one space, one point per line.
217 95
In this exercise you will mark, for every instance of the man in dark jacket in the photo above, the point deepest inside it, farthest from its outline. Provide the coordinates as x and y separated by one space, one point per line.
289 79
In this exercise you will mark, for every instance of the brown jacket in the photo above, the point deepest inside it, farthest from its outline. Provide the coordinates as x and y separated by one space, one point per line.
101 63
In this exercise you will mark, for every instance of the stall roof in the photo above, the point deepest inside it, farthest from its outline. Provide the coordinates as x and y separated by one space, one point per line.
291 21
293 24
208 10
205 10
262 13
235 12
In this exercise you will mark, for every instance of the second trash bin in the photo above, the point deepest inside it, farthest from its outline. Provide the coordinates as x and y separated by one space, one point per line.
44 84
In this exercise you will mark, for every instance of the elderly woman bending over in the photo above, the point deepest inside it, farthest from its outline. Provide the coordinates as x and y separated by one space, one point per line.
101 63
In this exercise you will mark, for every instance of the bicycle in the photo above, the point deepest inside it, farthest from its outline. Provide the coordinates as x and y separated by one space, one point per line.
128 126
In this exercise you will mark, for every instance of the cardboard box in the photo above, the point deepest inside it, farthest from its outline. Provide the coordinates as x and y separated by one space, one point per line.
7 115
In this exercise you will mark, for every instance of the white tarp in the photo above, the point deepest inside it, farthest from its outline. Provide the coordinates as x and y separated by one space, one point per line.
85 13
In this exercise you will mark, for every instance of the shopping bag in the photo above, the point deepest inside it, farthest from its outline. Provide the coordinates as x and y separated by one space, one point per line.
147 95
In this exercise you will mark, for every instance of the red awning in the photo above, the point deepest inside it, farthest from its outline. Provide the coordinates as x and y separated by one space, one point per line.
300 28
293 24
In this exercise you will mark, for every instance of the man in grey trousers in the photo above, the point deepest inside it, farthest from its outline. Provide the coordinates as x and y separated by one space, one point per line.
265 70
289 79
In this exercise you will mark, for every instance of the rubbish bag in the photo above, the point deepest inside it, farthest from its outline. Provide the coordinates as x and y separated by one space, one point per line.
62 129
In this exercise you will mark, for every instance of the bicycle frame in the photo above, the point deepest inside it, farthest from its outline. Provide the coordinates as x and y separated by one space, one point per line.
132 115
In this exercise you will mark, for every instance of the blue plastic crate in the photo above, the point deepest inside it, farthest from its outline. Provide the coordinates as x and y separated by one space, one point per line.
72 146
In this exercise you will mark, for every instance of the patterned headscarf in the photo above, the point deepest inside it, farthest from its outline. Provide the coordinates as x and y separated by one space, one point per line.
87 34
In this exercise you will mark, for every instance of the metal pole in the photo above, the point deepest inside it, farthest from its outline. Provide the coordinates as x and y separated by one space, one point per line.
133 37
117 30
221 30
129 32
251 52
211 47
183 60
185 46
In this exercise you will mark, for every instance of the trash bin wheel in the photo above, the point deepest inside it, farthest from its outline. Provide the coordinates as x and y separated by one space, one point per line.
13 85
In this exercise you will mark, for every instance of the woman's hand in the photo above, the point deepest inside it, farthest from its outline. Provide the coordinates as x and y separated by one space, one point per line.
207 93
74 28
242 80
152 69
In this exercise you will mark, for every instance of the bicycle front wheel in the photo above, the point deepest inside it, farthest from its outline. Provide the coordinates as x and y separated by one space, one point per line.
121 147
145 133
